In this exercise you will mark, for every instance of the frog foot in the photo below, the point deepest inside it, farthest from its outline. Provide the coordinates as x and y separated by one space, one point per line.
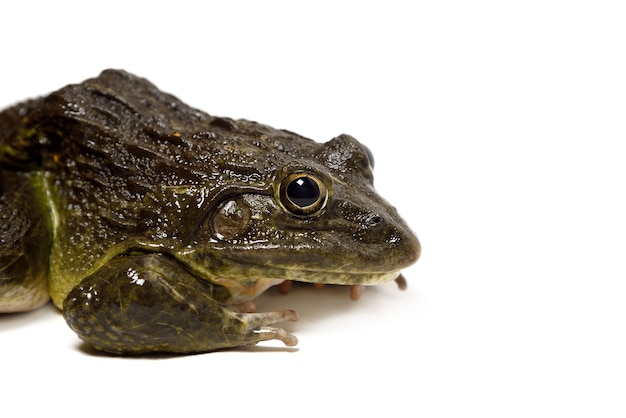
401 282
285 287
356 290
259 324
141 304
245 307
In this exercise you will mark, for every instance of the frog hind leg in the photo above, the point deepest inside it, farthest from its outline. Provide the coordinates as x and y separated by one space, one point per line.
148 303
25 240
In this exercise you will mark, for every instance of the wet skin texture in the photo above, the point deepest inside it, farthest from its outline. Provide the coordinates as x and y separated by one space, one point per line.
152 225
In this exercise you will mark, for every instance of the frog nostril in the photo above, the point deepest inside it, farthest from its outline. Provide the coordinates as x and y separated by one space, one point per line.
376 219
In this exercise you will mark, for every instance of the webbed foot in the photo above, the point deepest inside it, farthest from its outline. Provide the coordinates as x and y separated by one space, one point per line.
148 303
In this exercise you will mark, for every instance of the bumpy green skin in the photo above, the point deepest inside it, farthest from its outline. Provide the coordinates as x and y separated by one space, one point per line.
132 306
25 240
150 220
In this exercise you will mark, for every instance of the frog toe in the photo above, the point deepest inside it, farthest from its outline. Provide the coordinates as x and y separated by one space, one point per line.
259 325
272 333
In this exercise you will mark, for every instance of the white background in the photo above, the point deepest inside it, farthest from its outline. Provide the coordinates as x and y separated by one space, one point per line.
498 130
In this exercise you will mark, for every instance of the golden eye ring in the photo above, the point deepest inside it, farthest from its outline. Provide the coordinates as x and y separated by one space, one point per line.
303 194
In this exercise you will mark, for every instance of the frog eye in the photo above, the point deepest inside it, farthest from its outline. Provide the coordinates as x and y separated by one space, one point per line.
303 194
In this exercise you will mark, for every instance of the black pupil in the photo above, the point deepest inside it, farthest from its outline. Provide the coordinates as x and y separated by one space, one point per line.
303 192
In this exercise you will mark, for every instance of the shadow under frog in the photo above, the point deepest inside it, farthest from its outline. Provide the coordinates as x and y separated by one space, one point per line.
153 225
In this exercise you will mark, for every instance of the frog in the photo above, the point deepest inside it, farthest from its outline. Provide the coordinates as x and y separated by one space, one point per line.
153 226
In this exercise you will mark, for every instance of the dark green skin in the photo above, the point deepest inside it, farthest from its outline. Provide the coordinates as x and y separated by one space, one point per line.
151 222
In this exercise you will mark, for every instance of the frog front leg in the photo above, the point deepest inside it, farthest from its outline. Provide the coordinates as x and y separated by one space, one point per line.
149 303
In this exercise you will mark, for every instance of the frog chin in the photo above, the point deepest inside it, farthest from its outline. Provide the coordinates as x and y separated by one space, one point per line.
342 278
243 291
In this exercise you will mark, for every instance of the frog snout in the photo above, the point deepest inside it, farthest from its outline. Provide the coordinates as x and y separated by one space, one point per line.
403 247
414 249
388 243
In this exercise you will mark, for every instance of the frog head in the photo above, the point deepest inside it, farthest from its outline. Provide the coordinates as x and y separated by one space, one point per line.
318 219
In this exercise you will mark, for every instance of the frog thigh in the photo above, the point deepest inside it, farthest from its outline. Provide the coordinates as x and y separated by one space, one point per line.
25 241
148 303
